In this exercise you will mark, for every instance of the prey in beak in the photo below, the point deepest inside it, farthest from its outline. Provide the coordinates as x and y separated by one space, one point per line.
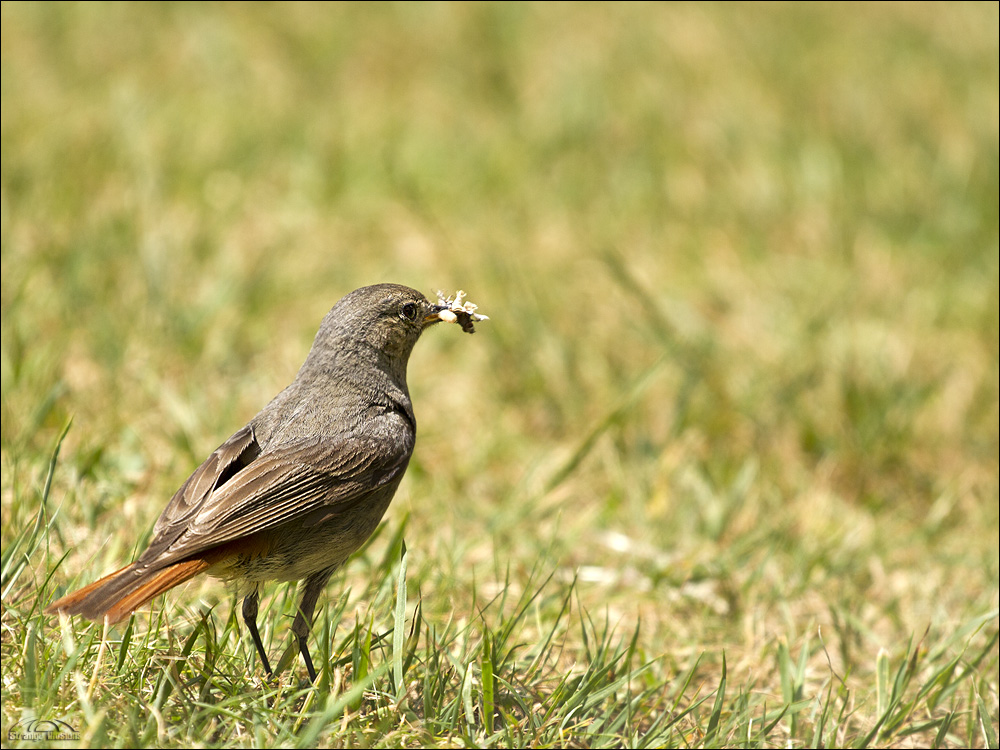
454 310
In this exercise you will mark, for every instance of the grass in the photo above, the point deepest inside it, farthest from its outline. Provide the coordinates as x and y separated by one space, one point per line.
721 470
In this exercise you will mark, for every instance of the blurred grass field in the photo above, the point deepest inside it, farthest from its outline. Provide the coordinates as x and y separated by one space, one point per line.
720 470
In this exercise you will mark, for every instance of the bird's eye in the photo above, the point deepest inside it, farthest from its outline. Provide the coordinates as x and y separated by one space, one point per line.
408 311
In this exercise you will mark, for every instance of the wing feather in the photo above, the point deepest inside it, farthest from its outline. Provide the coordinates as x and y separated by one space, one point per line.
240 490
230 457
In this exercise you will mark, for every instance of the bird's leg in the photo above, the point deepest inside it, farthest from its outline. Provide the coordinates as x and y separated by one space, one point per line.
311 590
250 618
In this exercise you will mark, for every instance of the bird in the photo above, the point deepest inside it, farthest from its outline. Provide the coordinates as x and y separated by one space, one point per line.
297 490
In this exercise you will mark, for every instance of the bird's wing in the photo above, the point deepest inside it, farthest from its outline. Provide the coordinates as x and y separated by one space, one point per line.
239 490
229 458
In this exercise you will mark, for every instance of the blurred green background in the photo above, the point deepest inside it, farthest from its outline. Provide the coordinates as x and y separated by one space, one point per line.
741 263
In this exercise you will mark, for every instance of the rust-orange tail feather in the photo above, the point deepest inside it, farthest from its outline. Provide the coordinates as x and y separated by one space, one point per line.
117 595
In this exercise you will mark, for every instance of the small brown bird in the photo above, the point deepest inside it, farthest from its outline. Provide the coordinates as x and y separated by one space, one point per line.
296 491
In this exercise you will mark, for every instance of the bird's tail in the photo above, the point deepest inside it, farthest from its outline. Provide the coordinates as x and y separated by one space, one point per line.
119 594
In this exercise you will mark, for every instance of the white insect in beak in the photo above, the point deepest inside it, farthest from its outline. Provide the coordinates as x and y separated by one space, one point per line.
454 310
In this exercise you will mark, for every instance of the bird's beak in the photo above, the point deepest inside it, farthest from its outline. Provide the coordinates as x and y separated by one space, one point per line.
437 314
